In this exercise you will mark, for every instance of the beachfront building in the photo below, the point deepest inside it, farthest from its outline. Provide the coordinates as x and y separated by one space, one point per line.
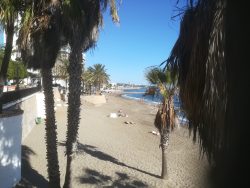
16 55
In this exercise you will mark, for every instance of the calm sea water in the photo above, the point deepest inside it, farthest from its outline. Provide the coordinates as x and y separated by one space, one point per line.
132 94
138 94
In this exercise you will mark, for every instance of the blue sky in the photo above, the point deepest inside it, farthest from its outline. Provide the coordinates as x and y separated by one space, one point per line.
1 36
145 37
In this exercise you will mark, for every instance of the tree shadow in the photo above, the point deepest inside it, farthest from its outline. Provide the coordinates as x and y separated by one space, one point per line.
92 150
94 177
30 177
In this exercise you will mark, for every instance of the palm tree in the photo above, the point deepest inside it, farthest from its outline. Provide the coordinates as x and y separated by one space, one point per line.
81 22
99 75
8 16
164 120
88 80
40 42
60 70
213 37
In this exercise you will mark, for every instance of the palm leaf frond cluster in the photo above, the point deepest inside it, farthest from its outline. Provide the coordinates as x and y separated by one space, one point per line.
165 116
46 26
198 59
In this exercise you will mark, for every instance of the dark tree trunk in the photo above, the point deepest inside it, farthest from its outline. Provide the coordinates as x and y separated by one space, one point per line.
7 55
75 72
8 48
50 127
67 182
66 81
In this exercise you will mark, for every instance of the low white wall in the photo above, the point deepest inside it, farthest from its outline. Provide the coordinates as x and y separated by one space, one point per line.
33 107
10 150
30 113
40 106
14 129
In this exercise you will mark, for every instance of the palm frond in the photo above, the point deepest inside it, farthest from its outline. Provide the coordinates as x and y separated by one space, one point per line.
197 58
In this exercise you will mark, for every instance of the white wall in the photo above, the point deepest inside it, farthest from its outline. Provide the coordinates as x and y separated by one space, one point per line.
33 107
29 106
14 129
10 150
40 105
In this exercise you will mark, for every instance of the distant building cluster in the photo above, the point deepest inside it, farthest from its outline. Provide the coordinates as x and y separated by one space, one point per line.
128 85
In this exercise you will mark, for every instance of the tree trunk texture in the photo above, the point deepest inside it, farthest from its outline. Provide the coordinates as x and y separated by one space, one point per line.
50 128
8 48
7 55
75 72
164 146
167 117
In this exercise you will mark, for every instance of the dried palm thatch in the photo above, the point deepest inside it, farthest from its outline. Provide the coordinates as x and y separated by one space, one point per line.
40 36
198 59
165 115
212 86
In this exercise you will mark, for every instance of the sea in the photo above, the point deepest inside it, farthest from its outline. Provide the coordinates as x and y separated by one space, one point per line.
139 95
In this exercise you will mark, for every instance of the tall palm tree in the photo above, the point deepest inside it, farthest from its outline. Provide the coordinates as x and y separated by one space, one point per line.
164 120
8 16
40 42
99 75
213 37
81 22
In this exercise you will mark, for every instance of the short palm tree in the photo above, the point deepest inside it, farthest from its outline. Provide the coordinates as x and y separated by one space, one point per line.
60 70
88 80
164 120
100 75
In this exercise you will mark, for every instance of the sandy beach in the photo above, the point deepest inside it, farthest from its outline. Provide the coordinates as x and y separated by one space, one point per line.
112 153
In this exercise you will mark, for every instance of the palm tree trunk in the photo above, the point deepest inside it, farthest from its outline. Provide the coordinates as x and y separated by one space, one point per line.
8 48
164 145
67 182
7 55
50 127
75 72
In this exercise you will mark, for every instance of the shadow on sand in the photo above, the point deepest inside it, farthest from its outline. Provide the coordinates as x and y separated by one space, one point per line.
93 177
92 150
30 177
